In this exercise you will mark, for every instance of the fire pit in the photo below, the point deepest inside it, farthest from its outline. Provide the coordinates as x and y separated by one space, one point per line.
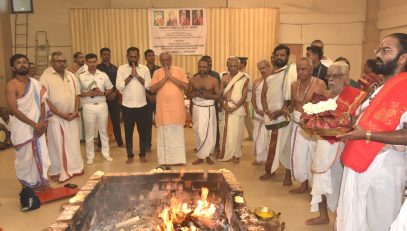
160 201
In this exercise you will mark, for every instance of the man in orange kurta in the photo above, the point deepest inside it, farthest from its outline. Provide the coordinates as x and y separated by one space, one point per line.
169 83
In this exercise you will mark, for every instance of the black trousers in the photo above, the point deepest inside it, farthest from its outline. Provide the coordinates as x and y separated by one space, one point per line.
136 116
114 111
149 122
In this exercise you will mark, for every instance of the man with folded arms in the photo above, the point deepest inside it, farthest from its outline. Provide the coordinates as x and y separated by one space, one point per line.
62 133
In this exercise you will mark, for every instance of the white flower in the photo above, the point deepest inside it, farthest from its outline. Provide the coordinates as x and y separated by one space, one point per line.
322 106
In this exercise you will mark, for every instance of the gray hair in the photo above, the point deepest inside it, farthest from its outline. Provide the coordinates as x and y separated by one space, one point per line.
56 54
342 65
265 62
309 61
166 53
234 58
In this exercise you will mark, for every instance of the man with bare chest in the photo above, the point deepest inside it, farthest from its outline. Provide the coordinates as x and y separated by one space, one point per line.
204 90
25 98
302 143
234 85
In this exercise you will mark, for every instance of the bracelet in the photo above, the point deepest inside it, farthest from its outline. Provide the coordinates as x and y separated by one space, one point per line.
368 135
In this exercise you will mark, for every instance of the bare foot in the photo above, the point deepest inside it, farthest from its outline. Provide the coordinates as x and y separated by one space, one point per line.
266 176
54 178
236 160
302 189
254 163
317 221
287 182
216 153
209 161
197 161
287 178
143 159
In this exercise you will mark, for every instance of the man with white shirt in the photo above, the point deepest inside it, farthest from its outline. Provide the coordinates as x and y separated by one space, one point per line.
62 132
95 86
132 81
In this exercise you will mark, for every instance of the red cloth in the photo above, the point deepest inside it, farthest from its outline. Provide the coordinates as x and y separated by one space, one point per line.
348 101
383 114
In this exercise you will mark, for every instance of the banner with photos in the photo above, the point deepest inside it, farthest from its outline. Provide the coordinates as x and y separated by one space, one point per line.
179 31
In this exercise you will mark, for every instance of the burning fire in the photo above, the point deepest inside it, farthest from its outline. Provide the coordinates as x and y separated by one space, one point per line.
179 212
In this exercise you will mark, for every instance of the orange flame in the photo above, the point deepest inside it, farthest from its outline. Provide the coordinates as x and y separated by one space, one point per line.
176 213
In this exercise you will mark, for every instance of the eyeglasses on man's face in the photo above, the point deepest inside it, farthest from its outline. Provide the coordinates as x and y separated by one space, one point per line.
384 50
334 76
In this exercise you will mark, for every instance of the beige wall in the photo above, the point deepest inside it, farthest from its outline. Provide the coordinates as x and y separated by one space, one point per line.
340 24
5 49
392 17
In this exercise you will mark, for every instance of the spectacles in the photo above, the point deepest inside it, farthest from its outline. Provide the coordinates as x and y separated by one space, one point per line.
384 50
334 76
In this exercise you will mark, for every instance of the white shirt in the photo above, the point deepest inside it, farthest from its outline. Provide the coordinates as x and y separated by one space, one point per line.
88 81
81 70
134 93
62 91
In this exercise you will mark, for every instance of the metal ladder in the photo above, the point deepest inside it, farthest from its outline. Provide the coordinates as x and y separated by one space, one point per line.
21 34
41 51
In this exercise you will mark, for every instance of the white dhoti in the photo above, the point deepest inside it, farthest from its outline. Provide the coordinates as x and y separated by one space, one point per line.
327 174
261 139
32 160
371 200
64 148
400 224
302 146
278 92
171 144
232 124
231 135
283 148
204 125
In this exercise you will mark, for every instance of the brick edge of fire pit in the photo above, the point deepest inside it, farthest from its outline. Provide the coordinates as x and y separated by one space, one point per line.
240 212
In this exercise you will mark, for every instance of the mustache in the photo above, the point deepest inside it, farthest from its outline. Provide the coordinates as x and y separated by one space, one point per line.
378 61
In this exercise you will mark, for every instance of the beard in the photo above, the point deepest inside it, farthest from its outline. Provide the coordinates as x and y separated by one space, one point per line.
280 63
388 68
202 73
22 71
